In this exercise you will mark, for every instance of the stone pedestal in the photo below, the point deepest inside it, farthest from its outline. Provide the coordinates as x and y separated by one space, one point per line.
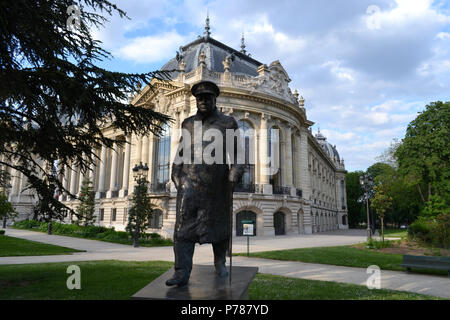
203 284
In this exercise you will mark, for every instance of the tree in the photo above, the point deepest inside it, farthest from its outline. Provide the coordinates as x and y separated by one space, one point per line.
140 212
405 200
54 100
86 208
381 202
378 169
356 213
6 209
424 153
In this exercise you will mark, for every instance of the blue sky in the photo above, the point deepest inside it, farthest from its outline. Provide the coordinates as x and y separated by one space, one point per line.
364 67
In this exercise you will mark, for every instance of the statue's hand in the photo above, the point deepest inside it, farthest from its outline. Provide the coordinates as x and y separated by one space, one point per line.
233 176
176 181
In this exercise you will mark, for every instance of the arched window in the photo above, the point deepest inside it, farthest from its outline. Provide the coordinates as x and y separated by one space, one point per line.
162 159
156 220
247 134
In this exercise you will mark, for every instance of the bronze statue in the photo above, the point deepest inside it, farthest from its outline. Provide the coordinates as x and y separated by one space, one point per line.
204 196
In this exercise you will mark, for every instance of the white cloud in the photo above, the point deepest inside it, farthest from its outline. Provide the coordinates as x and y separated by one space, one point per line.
443 36
151 48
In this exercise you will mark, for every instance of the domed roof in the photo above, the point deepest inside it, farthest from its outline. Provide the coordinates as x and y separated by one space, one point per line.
326 146
215 52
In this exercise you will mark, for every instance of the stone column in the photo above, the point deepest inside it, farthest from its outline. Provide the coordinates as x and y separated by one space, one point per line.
113 174
288 159
81 177
66 179
144 157
73 181
91 173
264 160
151 141
16 183
102 173
305 179
126 167
139 149
22 186
297 161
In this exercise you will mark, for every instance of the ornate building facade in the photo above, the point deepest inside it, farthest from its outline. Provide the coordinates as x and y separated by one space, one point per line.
306 195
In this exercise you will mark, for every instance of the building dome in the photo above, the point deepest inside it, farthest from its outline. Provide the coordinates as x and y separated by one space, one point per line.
215 53
326 146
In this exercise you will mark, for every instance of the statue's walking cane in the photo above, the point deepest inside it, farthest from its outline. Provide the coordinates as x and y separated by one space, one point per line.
230 246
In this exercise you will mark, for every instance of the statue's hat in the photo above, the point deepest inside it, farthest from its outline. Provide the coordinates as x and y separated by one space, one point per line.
205 87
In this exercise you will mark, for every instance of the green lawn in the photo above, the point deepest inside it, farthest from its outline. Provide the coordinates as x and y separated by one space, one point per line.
271 287
114 280
10 246
341 256
395 233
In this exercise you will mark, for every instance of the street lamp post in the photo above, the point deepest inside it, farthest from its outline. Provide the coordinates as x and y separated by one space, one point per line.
366 182
139 174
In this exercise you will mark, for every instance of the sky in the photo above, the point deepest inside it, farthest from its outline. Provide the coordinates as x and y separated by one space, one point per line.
364 67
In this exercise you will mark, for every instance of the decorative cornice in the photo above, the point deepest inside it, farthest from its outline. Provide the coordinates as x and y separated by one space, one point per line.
266 99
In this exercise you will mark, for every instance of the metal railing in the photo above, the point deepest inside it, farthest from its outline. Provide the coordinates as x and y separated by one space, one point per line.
158 187
250 188
281 190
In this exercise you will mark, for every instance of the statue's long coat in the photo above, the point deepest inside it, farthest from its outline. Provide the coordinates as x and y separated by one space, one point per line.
203 197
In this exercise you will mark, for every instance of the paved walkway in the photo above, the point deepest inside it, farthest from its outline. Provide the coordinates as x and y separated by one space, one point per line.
99 250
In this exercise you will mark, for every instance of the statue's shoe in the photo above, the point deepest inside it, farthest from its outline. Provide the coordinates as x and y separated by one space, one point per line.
177 281
221 270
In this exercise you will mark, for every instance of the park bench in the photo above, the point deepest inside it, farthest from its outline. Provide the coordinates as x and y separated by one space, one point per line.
442 263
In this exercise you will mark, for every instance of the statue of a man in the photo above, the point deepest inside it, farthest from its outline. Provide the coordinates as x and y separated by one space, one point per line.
204 191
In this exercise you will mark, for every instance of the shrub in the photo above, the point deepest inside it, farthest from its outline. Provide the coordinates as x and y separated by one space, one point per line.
374 244
114 235
92 231
154 236
440 231
2 231
27 224
44 226
420 230
95 232
107 234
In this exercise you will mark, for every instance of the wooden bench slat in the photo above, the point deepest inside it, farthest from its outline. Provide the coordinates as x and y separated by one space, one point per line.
425 266
426 262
